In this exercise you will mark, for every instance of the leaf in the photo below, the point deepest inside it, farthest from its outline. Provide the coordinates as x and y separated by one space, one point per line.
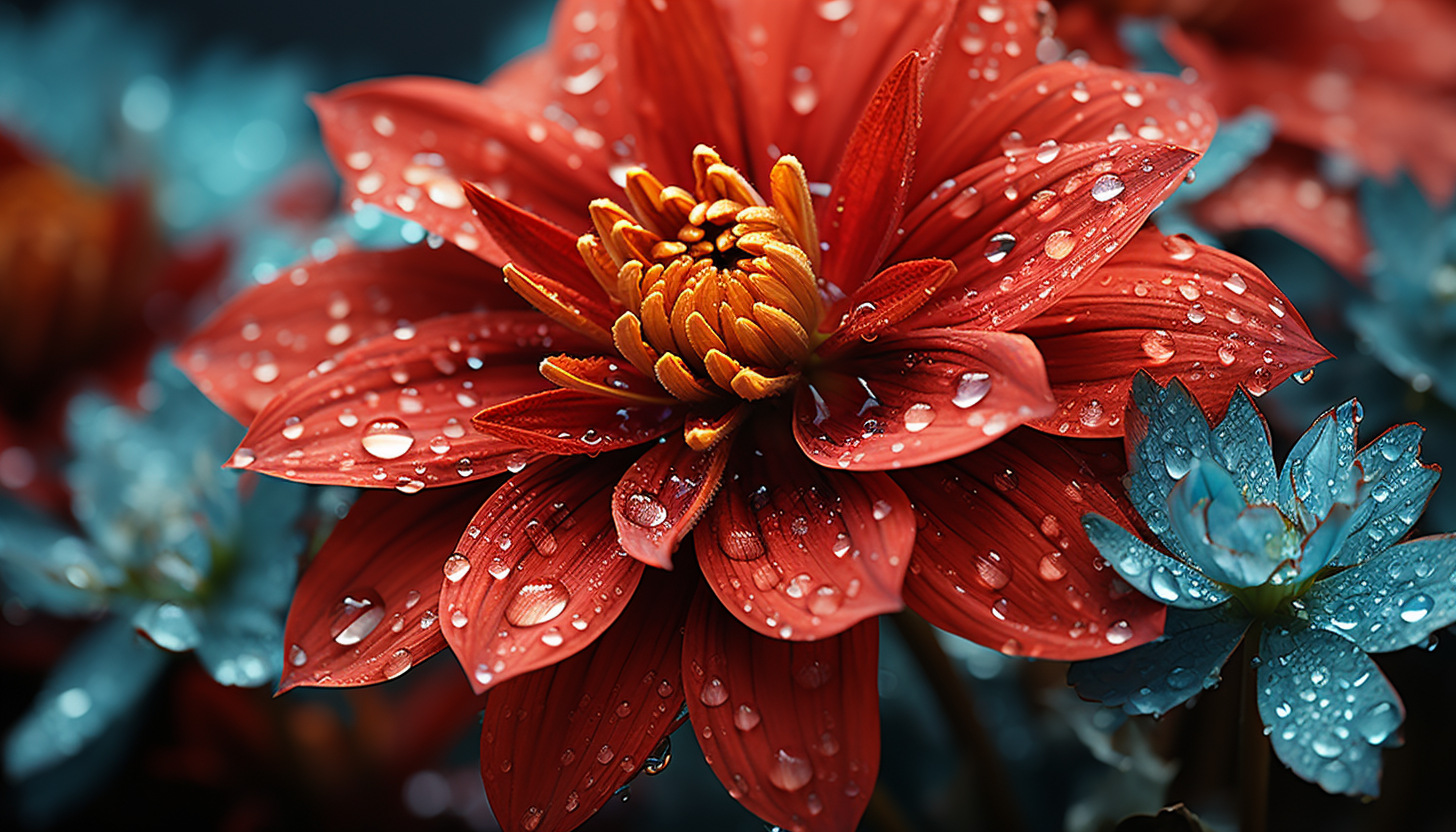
1329 708
1161 675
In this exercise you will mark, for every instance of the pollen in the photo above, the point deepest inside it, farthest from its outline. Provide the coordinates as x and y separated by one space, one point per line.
720 287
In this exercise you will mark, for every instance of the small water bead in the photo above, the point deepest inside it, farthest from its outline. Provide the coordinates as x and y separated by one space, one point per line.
1052 567
456 566
292 427
1048 151
714 692
440 445
398 662
746 718
296 656
1059 244
1180 247
971 389
348 418
357 615
834 10
458 618
999 246
1164 585
266 372
826 600
243 457
1107 187
1415 608
464 467
537 602
1005 480
992 571
1119 633
882 509
1235 283
1377 722
790 772
918 417
387 439
1196 315
644 510
1091 414
553 638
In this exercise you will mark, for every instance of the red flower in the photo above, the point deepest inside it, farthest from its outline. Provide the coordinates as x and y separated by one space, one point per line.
822 396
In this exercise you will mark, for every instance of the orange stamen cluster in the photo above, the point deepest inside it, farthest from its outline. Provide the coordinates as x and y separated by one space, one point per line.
720 287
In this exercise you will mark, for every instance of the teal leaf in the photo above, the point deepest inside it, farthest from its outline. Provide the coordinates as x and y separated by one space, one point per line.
1328 707
1160 577
1161 675
1394 600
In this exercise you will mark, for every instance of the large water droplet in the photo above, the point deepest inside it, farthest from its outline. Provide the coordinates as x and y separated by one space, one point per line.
1158 345
999 246
387 439
971 388
789 772
1415 608
356 616
1108 186
714 692
537 602
455 567
746 718
645 510
918 417
398 662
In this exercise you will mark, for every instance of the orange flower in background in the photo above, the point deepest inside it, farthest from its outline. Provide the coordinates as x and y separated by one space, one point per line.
804 299
1369 81
79 266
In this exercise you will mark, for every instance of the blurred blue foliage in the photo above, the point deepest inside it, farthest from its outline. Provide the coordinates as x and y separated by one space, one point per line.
1309 558
169 545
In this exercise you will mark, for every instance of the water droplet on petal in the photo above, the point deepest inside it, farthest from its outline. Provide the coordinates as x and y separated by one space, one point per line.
789 772
1108 186
537 602
455 567
356 617
387 439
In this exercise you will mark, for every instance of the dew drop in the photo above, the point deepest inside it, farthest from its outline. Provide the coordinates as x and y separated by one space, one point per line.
398 662
387 439
645 511
537 602
1108 186
1158 345
1119 633
1059 244
789 772
455 567
355 617
970 389
999 246
1051 567
882 509
918 417
746 718
714 692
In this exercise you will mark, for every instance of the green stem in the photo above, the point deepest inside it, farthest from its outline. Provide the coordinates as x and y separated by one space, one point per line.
1253 745
959 705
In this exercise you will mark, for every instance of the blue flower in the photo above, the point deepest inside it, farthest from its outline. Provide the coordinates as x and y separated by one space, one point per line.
1409 321
1306 559
170 544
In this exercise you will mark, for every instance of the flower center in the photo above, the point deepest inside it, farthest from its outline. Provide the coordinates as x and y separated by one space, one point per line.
720 287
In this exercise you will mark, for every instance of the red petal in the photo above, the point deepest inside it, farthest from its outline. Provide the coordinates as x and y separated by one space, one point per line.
540 574
867 196
685 89
605 376
1282 190
799 552
885 300
1001 558
533 243
986 45
919 397
1024 233
1065 102
385 556
809 69
792 729
404 144
394 413
558 742
659 499
571 422
275 333
1175 308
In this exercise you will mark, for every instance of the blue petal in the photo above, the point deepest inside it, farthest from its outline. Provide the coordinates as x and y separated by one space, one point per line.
1394 600
1157 677
1326 539
170 626
1407 233
1328 706
1166 431
1222 535
97 682
1154 574
242 646
1394 491
1319 471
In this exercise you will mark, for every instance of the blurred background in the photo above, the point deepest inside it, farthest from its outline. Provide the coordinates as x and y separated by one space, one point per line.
165 150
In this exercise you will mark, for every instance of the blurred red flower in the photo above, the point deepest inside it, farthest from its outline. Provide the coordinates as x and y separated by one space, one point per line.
861 244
